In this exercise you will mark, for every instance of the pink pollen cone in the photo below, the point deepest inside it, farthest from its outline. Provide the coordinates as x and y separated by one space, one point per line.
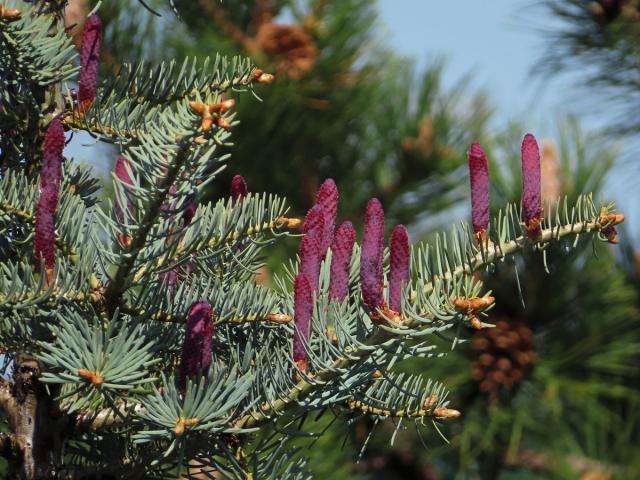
479 179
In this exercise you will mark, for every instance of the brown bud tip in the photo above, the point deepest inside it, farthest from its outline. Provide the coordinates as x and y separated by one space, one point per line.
182 424
446 413
612 219
475 322
302 365
430 402
223 123
472 304
290 223
9 13
227 105
179 427
197 107
125 240
259 76
92 377
281 318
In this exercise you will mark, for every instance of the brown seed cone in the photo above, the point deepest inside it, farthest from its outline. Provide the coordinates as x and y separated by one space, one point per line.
504 356
292 48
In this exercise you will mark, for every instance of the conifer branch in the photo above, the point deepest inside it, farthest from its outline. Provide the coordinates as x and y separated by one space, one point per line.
353 354
119 283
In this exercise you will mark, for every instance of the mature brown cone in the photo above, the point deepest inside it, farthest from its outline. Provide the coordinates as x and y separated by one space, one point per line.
291 46
504 355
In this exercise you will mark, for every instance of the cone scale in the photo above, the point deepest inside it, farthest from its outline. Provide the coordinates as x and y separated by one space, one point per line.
371 256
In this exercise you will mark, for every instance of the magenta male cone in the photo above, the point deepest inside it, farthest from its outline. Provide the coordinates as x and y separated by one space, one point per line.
479 178
51 169
314 224
89 61
371 255
341 251
239 189
531 185
399 272
198 342
44 239
327 198
303 312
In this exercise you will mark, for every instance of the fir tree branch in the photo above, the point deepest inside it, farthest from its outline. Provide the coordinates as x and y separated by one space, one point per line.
168 318
485 257
282 223
119 283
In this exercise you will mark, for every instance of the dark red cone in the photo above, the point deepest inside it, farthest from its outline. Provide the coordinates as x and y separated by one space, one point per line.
198 343
479 179
399 272
531 185
89 61
371 256
239 189
314 224
341 251
303 313
327 198
44 239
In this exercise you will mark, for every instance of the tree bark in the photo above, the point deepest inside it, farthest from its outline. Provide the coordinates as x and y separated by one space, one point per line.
35 447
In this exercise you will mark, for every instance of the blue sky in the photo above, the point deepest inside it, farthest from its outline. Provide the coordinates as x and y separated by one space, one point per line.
500 41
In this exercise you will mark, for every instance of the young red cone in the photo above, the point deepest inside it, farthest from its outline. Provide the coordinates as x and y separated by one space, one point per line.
399 273
303 313
531 185
479 179
341 251
198 343
44 239
51 169
50 174
327 198
371 256
239 189
89 61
